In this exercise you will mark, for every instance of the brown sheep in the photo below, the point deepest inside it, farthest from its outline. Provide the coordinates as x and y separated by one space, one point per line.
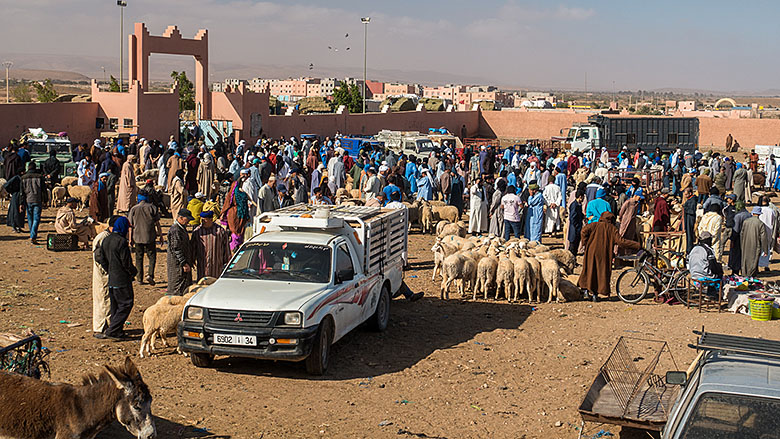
80 193
448 213
69 181
426 218
457 229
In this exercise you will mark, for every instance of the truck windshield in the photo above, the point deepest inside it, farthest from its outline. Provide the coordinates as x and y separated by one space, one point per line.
572 133
727 416
424 145
284 261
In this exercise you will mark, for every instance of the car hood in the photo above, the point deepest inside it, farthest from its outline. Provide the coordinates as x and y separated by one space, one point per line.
256 295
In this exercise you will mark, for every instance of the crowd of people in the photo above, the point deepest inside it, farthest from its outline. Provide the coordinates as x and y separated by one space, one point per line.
517 191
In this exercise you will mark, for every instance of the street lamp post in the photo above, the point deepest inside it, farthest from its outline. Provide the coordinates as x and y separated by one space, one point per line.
7 65
365 21
122 4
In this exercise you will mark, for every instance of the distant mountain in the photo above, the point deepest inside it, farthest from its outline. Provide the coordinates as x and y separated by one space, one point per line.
160 68
40 75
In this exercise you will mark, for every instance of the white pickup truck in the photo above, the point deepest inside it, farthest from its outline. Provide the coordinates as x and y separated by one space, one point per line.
307 277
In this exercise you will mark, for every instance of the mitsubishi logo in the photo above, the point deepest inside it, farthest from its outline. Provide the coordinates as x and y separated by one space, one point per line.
238 318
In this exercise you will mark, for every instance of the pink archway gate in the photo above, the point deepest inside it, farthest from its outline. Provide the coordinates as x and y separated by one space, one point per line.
142 44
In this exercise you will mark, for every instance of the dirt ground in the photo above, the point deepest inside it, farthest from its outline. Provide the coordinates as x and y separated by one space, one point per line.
455 369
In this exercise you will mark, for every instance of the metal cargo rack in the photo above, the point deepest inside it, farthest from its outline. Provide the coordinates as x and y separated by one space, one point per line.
627 390
651 180
709 341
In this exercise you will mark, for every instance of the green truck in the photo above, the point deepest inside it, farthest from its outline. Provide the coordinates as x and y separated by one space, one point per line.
40 143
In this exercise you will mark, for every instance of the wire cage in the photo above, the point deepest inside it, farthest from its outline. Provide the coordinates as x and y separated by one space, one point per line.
25 356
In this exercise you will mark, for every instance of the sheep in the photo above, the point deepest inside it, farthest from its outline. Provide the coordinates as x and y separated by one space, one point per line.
351 202
148 174
462 266
440 251
191 291
355 193
534 279
569 291
80 193
440 225
341 193
58 195
522 272
449 213
551 275
505 278
413 212
69 181
3 194
437 203
426 218
458 229
159 320
486 273
460 241
566 259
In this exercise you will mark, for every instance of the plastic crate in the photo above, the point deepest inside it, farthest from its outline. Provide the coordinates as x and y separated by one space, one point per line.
58 242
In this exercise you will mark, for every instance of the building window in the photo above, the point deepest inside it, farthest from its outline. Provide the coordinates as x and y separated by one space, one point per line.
113 123
127 123
99 123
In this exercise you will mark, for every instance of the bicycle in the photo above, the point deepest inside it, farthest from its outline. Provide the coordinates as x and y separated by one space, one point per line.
633 284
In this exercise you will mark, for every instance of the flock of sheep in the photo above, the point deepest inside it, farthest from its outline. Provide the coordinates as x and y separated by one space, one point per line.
511 268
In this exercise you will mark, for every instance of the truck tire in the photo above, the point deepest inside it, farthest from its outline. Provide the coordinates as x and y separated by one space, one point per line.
317 361
378 321
201 360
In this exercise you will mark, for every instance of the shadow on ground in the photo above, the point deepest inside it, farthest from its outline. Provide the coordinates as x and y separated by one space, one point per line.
416 330
165 429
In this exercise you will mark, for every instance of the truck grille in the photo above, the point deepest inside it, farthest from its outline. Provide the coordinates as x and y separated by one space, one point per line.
241 318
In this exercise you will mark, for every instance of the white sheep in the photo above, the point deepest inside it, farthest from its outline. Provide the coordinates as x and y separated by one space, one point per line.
449 213
461 266
534 279
505 278
58 195
486 273
551 275
159 320
458 229
522 272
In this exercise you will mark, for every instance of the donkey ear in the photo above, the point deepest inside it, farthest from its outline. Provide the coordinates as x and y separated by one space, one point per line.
115 378
130 369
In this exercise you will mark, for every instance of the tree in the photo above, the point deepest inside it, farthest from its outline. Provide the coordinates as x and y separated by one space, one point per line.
21 93
186 90
349 96
45 90
113 85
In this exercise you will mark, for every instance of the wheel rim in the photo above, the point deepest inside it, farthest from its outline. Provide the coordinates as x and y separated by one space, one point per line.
324 347
631 286
382 311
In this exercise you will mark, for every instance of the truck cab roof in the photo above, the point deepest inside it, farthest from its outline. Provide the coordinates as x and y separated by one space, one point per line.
743 374
323 237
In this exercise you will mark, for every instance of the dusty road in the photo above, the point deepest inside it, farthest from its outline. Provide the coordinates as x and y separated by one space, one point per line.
453 369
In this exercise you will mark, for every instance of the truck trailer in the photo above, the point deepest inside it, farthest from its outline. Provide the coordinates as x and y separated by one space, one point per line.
647 133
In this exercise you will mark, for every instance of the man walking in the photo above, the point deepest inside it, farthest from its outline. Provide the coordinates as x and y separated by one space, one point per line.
101 304
179 254
113 255
32 191
210 244
144 229
754 243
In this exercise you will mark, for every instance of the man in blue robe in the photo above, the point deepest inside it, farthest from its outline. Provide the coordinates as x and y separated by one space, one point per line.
412 174
596 207
535 215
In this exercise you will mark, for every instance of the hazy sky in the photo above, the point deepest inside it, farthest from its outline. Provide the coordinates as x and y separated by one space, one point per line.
712 44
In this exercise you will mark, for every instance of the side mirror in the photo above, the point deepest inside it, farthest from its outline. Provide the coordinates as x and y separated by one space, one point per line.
676 378
345 275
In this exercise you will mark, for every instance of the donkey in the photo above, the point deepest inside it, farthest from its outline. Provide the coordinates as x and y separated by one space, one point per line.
32 409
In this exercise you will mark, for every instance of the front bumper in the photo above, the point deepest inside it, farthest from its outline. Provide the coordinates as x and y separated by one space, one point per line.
264 350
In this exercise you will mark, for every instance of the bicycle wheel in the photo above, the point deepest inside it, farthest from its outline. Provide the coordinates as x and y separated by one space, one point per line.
680 286
632 285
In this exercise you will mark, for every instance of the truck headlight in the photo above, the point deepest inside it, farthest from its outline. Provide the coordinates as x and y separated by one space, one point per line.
194 313
292 318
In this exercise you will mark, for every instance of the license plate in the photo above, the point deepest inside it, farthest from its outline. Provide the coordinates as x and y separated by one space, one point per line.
234 339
